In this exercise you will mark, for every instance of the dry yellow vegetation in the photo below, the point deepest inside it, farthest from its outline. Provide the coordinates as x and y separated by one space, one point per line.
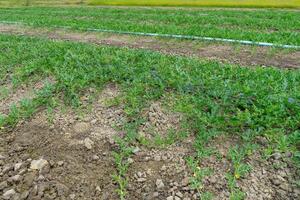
215 3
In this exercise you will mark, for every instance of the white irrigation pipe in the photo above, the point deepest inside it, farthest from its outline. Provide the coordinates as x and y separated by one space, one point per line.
245 42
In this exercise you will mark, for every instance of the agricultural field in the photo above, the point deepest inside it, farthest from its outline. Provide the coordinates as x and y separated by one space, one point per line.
274 26
91 110
208 3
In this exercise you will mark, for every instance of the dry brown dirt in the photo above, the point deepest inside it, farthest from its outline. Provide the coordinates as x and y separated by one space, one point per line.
11 95
242 55
77 152
74 151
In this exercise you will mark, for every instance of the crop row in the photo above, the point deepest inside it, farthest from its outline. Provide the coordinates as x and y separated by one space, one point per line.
281 27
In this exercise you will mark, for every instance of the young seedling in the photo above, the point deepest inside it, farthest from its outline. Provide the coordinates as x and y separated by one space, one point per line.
237 155
196 182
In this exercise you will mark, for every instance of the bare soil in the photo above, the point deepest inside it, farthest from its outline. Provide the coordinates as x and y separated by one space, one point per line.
12 95
77 151
158 122
241 55
77 146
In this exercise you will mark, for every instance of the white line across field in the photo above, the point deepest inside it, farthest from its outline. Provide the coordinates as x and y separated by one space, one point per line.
244 42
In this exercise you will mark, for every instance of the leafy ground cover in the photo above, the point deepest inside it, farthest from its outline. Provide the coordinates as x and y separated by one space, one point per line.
228 53
256 110
280 27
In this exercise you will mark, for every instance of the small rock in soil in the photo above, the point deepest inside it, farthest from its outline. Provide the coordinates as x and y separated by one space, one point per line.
40 178
23 171
95 157
81 127
18 166
72 196
179 194
136 150
3 185
130 160
159 184
98 189
170 198
24 195
185 181
61 189
139 174
276 156
29 178
288 154
9 194
155 194
6 169
60 163
284 186
38 164
262 140
16 178
163 168
88 143
141 180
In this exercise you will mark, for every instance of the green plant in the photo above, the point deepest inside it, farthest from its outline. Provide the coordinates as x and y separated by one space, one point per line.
254 25
237 155
4 93
199 173
122 165
235 193
206 196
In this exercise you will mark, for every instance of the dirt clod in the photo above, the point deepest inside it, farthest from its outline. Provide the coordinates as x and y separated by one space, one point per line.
38 164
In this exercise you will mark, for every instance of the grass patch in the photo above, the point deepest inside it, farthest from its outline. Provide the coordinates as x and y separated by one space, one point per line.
216 98
279 27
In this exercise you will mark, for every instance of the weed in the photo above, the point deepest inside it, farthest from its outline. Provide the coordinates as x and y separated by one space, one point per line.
237 155
4 93
28 107
235 193
159 141
199 173
122 165
206 196
125 150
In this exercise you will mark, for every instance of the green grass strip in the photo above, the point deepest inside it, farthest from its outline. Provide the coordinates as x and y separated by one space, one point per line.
270 26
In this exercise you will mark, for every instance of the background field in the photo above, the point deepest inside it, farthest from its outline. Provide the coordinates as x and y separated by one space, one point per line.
226 3
281 27
214 3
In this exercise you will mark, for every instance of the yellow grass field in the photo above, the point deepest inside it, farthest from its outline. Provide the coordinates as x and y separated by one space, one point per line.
213 3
